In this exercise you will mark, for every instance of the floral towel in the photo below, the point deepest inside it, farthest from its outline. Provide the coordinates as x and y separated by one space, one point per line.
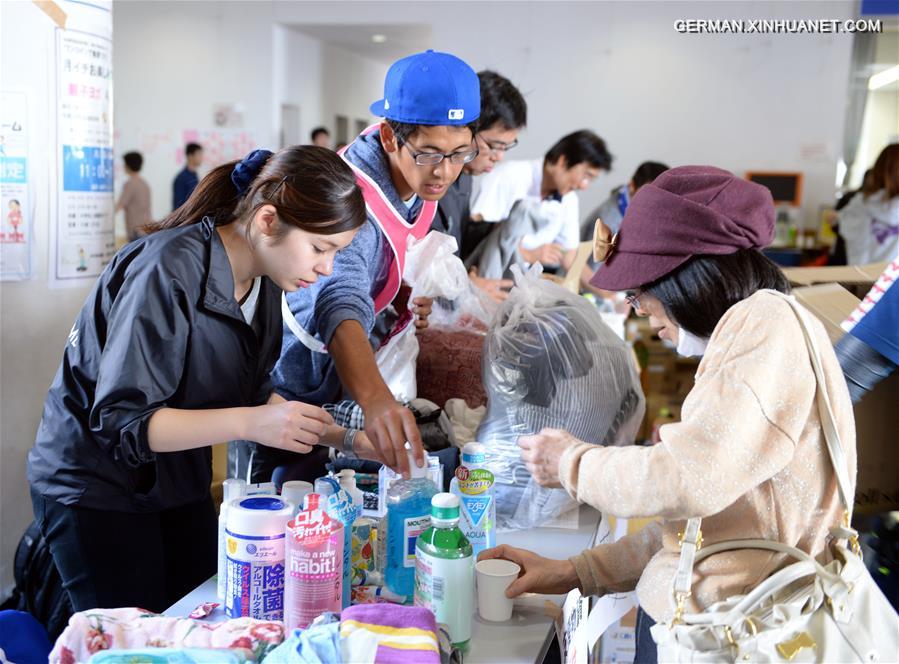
90 632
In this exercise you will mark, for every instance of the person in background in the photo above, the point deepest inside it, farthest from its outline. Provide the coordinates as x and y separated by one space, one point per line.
870 221
503 116
748 455
187 179
404 165
135 197
545 226
612 210
321 137
171 354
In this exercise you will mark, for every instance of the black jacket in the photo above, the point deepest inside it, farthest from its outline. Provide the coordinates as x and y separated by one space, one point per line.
161 328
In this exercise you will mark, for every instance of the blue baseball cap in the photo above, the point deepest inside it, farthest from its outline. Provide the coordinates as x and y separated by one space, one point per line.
430 88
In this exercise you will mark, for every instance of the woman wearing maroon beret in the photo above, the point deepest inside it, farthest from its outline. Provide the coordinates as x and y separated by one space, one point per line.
748 455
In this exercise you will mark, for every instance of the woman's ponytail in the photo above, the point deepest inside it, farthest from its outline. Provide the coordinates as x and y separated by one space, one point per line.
310 187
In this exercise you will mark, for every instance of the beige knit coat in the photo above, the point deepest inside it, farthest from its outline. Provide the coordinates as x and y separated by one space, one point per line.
748 456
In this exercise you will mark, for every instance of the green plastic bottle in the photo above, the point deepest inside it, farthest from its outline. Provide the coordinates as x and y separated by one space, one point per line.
444 570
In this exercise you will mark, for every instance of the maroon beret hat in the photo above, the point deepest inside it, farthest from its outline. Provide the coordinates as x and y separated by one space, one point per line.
686 211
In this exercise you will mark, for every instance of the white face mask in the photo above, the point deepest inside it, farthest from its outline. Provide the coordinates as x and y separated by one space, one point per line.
689 345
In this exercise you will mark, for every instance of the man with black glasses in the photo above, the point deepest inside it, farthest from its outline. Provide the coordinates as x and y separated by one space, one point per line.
503 116
537 203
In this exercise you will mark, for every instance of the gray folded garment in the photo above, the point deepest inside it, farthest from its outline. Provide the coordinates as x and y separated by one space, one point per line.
498 252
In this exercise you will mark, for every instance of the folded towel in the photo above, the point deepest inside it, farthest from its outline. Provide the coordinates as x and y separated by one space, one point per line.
389 634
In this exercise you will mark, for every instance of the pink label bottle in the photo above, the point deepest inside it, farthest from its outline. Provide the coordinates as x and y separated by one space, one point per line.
313 581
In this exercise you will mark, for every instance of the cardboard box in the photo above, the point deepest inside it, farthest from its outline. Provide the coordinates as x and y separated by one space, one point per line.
831 303
877 487
857 279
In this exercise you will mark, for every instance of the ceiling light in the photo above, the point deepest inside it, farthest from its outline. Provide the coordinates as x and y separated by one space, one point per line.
379 38
883 78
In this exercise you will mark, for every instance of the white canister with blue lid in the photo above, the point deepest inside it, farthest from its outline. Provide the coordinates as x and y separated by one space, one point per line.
254 541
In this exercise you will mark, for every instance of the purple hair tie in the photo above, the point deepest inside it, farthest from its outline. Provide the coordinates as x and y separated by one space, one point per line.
248 168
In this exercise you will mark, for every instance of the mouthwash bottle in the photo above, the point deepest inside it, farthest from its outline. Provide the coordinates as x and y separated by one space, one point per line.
473 484
408 515
444 570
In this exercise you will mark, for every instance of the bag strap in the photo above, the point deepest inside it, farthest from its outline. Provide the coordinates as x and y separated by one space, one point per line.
691 540
305 338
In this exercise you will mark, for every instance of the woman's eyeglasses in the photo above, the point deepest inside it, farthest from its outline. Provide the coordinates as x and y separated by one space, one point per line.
633 299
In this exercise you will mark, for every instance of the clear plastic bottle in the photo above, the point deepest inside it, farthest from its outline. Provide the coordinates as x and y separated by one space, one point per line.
444 570
473 483
408 515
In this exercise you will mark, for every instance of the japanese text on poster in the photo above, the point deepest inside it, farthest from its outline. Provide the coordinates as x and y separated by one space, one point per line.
16 226
85 233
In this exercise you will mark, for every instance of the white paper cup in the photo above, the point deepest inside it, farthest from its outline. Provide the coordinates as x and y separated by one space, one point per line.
494 576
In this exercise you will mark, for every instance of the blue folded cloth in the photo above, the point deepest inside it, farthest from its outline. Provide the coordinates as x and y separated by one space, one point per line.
317 644
23 639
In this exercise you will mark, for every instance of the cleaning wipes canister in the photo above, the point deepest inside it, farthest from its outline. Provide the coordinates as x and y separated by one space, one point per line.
254 538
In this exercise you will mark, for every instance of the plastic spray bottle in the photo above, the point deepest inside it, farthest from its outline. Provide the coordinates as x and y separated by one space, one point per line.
314 575
408 515
473 484
444 570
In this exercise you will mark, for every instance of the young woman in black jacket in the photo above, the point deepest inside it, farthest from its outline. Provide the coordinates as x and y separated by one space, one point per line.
171 354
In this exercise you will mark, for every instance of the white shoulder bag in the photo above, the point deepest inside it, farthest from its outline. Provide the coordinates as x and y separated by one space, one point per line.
805 612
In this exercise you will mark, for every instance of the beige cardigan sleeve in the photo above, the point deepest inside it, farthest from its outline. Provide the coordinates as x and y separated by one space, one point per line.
736 432
612 568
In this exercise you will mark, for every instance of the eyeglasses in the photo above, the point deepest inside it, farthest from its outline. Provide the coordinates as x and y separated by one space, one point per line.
633 299
498 146
434 158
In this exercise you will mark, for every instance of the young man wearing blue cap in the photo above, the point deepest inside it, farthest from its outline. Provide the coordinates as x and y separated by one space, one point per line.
404 165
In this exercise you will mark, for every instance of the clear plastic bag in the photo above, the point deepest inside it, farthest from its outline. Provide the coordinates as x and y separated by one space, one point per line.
432 270
550 361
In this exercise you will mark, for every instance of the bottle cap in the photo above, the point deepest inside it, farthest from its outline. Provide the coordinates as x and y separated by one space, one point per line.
414 470
295 491
445 506
474 453
233 488
311 501
347 478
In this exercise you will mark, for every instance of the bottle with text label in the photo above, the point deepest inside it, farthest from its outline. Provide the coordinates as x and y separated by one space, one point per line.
408 515
473 483
444 570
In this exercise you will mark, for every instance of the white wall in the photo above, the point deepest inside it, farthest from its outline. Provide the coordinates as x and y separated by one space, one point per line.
737 101
350 83
34 320
323 80
173 62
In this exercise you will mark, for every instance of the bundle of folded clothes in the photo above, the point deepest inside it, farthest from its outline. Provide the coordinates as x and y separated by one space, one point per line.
369 633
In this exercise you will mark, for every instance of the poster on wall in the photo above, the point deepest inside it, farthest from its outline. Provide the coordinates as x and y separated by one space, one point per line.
16 212
84 233
219 145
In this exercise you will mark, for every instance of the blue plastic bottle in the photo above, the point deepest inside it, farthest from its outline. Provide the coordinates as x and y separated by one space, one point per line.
408 515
